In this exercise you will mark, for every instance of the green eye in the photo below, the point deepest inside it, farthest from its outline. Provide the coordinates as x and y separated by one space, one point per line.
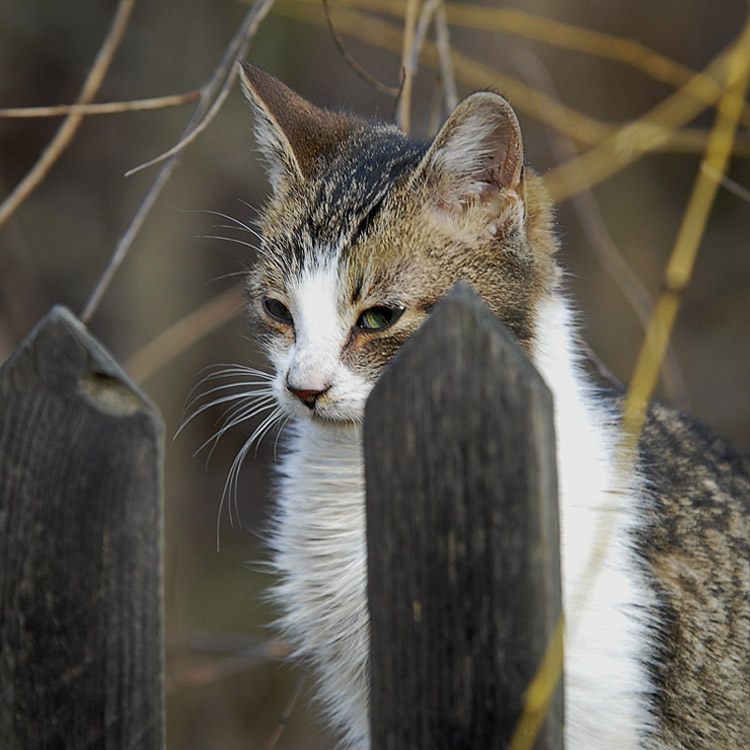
379 318
277 310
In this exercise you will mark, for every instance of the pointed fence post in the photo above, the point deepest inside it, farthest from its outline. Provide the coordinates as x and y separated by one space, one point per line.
462 532
81 641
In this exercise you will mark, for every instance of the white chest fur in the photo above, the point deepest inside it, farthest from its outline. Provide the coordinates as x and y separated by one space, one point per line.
320 549
321 555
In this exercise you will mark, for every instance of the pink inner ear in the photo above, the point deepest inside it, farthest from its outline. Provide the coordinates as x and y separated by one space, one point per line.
509 163
478 153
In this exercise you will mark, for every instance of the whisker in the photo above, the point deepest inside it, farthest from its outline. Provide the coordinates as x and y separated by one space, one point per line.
258 390
226 371
237 419
236 223
234 240
266 425
256 408
231 485
230 275
246 393
248 386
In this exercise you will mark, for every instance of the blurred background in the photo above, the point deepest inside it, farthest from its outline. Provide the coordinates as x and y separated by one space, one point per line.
223 688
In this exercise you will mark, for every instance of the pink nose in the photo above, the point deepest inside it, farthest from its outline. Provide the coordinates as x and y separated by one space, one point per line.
306 396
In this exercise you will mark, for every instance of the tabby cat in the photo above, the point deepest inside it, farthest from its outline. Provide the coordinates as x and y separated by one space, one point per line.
364 232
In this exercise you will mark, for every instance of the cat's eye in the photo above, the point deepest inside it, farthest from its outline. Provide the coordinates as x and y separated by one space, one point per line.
379 318
277 310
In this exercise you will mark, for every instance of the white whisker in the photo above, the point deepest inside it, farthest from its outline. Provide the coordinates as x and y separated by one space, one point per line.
236 223
238 418
256 248
246 393
231 486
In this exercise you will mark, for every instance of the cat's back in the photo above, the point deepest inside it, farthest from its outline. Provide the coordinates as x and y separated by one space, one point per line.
695 543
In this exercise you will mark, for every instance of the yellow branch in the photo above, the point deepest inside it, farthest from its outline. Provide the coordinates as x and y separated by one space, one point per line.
649 133
677 276
71 123
682 260
102 108
585 130
180 336
564 36
539 694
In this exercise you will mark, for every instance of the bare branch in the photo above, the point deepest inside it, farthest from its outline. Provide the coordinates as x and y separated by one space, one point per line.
420 33
70 125
600 240
286 712
220 80
184 333
727 182
358 69
410 24
199 128
103 108
443 44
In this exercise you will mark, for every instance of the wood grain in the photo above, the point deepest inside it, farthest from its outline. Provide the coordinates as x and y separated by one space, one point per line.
464 576
81 651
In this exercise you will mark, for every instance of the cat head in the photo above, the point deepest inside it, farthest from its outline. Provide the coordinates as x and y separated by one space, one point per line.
366 230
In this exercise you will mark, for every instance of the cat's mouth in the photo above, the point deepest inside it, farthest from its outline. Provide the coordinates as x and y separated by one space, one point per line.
329 414
322 416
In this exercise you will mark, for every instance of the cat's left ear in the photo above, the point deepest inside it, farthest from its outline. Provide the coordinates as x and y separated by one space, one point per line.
477 157
294 135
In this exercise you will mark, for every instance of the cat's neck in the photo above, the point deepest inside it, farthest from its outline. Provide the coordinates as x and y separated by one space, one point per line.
601 591
322 508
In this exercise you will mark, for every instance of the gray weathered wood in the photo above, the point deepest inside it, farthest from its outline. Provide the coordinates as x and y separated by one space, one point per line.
81 639
464 577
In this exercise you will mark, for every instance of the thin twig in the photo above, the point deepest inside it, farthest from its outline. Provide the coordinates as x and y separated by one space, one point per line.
518 23
199 128
205 658
286 712
420 32
600 240
410 24
389 36
635 140
433 11
236 48
656 136
103 108
184 333
682 260
728 183
443 44
352 63
70 125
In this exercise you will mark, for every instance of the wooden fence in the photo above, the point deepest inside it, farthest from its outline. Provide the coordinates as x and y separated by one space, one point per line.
464 573
462 534
81 643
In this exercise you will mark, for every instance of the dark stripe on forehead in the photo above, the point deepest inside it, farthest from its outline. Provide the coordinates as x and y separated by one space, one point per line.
366 221
355 185
343 200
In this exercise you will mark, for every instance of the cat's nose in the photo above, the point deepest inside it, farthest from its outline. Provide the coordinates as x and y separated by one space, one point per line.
307 396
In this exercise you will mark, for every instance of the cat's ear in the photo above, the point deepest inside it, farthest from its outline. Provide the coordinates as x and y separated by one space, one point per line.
477 157
294 136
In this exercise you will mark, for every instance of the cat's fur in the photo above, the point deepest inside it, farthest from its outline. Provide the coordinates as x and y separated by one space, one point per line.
363 219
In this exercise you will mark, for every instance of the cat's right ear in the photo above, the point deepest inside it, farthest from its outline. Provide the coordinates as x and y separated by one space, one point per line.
294 136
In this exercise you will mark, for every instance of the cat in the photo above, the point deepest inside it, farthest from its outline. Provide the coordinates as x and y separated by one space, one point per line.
364 232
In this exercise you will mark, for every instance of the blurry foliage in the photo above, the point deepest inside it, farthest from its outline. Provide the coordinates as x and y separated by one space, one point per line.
630 91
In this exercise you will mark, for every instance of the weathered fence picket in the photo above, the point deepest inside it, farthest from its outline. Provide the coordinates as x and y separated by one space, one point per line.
464 577
81 635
